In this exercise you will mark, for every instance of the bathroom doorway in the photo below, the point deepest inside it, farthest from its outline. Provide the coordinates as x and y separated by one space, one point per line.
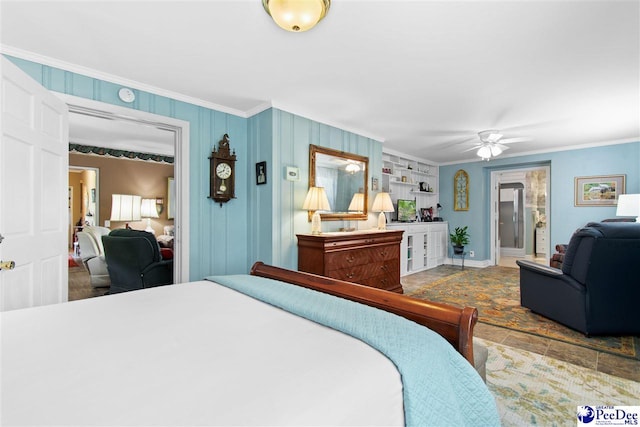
520 207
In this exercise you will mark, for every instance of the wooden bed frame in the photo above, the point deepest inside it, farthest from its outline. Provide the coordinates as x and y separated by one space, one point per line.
453 323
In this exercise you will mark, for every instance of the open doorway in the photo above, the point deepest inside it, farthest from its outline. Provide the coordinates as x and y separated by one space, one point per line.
84 201
520 207
173 135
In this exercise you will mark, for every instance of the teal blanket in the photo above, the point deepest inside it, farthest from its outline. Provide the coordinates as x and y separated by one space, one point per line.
440 387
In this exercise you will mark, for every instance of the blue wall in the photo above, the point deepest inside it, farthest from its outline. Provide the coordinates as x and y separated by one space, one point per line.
565 166
218 243
279 213
263 220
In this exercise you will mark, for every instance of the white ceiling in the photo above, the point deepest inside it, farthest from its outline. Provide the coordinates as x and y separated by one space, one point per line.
422 76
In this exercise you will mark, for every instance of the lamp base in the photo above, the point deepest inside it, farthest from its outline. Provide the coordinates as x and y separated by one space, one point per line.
316 223
149 229
382 221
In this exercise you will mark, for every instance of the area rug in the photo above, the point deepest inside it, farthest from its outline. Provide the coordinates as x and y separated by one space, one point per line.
495 292
531 389
72 262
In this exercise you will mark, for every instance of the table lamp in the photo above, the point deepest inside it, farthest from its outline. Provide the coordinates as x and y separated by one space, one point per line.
382 203
148 210
357 203
125 207
315 201
629 205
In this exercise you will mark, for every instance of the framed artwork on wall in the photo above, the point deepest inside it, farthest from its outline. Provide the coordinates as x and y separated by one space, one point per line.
261 173
602 190
461 191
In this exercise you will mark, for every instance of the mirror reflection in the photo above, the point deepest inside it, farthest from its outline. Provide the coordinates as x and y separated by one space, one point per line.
344 178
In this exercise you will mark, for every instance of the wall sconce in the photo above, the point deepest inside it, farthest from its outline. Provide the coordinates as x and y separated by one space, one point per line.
159 205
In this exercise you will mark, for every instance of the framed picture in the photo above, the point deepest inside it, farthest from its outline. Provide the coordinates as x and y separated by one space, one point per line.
599 190
461 191
261 173
374 184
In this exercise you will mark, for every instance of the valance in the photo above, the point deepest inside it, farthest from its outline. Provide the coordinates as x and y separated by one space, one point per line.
133 155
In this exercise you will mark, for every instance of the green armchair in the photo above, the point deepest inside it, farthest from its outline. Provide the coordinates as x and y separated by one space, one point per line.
134 261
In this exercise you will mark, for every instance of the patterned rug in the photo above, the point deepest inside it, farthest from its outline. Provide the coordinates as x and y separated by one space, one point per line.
531 389
495 292
72 262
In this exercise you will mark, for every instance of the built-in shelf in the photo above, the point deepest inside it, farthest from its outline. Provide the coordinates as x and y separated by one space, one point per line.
415 171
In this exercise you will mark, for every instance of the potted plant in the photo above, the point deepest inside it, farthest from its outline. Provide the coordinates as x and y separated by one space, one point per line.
459 238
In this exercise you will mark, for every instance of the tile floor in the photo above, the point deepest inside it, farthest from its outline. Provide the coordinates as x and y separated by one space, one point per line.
592 359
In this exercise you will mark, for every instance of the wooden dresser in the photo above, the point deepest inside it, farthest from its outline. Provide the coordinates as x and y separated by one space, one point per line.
369 258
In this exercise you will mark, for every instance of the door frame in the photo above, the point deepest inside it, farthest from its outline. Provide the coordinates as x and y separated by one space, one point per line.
97 202
494 214
180 165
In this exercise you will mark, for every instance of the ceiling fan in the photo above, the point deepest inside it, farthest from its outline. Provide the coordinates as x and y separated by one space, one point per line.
492 143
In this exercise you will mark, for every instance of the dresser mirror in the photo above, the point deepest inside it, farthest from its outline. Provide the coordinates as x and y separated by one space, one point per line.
344 177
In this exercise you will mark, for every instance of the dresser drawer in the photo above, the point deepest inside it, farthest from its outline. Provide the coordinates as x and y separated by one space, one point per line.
344 259
349 274
383 253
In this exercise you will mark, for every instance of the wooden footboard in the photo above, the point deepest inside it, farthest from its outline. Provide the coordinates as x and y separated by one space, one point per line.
453 323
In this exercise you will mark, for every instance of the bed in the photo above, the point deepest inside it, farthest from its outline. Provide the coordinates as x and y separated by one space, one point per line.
243 350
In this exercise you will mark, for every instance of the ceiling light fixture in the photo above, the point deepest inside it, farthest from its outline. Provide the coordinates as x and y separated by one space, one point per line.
485 152
352 168
296 15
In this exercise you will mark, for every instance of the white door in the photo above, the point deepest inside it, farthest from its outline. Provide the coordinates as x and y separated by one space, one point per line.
34 160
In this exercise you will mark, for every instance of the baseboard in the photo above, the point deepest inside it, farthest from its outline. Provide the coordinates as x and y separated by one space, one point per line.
469 262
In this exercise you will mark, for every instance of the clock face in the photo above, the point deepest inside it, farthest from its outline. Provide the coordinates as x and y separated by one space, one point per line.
223 170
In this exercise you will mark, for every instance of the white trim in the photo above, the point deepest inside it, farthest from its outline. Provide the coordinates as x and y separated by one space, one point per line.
133 84
74 168
181 168
549 150
495 179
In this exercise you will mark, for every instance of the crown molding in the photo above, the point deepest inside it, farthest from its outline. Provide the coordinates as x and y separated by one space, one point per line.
90 72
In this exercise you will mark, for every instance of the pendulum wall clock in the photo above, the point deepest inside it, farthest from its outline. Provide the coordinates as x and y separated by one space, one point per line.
222 172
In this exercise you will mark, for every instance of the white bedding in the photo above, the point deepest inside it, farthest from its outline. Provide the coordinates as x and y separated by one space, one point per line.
188 354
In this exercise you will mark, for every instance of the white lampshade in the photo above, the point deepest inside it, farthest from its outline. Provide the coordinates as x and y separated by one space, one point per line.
357 203
296 16
382 203
484 152
629 205
495 150
125 207
148 210
315 201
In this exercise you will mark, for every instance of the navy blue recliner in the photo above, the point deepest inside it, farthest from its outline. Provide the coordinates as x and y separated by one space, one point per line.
134 261
597 292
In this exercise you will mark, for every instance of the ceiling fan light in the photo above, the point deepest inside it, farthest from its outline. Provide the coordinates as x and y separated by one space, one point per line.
296 15
484 152
495 150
